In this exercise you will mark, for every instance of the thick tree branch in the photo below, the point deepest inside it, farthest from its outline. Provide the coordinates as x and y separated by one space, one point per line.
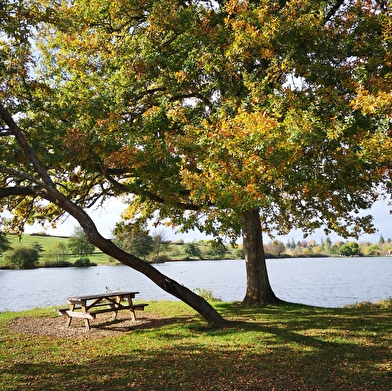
17 191
21 175
139 192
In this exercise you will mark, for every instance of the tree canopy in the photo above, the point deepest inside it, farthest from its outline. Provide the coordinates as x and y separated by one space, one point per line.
219 109
210 115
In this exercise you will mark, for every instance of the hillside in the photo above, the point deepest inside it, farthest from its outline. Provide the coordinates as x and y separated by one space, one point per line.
47 242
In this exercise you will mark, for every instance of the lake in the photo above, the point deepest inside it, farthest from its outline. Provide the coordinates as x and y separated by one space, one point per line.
325 282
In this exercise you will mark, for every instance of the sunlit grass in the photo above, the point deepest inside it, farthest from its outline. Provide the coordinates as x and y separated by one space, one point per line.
383 304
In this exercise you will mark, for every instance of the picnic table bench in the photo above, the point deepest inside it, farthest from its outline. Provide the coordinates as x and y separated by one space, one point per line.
87 307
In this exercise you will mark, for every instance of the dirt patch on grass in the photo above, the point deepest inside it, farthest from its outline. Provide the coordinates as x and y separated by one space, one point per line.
102 326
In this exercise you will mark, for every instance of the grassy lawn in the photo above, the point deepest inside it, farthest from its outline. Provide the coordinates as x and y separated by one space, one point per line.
289 347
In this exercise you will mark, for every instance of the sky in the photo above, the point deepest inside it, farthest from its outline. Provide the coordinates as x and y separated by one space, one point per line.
106 218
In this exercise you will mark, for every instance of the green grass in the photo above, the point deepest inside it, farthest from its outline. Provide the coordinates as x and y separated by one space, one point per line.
46 242
289 347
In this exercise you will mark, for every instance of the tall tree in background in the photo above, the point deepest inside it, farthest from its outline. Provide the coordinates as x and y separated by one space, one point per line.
4 242
136 242
233 117
79 244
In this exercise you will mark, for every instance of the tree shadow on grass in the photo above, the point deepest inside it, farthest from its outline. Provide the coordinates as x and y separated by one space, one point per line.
194 366
278 348
143 323
297 316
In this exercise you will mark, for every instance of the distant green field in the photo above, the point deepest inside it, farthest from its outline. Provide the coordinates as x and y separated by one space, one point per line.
28 240
46 242
174 251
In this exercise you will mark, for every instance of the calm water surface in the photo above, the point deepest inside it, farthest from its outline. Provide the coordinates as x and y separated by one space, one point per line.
326 282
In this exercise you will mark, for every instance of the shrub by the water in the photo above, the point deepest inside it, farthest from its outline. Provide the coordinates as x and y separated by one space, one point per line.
22 257
83 262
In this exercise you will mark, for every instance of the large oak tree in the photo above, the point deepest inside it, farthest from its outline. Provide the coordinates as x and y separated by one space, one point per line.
233 117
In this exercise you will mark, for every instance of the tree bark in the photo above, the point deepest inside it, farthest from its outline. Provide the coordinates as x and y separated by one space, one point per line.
258 288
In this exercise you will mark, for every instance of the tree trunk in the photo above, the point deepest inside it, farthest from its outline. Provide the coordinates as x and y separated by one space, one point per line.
258 288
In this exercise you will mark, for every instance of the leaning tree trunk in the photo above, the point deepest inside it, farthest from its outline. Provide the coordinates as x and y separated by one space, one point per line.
258 288
167 284
48 190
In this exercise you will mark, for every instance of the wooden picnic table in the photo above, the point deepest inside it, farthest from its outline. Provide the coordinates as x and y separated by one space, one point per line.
88 306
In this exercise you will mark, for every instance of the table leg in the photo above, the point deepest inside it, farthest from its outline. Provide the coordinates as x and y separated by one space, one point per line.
69 320
118 301
130 302
86 321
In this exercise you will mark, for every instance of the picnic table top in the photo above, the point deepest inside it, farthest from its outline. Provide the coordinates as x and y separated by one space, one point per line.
101 296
